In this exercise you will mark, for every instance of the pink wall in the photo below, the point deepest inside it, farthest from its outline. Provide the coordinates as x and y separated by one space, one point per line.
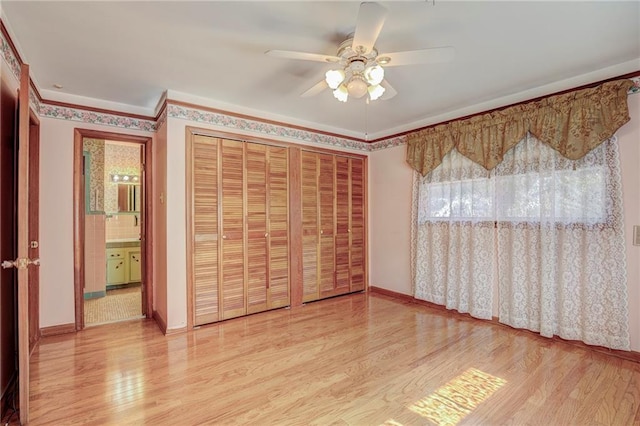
390 180
160 223
123 227
95 253
390 214
56 217
176 224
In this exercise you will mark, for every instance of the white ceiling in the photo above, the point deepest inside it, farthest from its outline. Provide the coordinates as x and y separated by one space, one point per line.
131 52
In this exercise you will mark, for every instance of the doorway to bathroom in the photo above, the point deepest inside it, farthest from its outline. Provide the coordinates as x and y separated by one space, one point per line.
111 180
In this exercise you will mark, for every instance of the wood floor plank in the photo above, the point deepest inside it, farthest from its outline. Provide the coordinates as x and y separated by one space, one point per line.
361 359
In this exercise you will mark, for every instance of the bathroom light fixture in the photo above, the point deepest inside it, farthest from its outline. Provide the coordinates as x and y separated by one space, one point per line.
125 178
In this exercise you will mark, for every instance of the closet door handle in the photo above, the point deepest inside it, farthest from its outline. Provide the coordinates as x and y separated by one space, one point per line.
266 234
224 237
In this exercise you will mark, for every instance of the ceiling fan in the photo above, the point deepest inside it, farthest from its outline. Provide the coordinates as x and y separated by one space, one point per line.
358 67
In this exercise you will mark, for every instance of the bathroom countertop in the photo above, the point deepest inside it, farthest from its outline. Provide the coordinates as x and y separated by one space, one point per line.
123 242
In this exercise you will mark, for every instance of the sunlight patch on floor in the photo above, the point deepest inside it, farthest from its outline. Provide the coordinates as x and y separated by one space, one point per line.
449 404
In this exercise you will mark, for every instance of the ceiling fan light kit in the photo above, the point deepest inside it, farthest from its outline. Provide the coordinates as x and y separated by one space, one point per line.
341 93
356 86
334 78
360 69
375 92
374 74
356 80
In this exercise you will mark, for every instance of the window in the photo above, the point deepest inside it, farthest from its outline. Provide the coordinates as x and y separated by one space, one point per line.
565 196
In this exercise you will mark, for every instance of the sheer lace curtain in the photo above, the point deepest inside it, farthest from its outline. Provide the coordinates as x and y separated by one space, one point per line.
544 230
453 227
560 248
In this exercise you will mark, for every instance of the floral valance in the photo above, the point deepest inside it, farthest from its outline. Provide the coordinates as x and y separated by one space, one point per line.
572 123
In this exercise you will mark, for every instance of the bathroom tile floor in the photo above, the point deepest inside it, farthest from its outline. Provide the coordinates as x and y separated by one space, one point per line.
118 305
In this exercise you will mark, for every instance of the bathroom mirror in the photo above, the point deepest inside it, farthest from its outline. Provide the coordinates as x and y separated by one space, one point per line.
128 198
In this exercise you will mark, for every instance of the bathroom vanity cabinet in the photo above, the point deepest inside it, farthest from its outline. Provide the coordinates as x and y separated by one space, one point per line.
124 265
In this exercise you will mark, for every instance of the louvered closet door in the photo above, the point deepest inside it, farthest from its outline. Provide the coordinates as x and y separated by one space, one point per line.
357 225
232 229
257 236
205 228
343 279
310 222
278 217
326 184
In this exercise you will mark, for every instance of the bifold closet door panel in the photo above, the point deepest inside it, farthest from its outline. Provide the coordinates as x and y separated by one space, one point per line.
241 230
257 234
232 229
278 217
343 279
357 226
310 223
205 232
326 185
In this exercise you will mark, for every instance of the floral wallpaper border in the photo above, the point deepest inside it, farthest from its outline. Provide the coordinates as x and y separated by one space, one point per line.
76 114
34 101
175 111
162 119
200 116
9 56
388 143
636 85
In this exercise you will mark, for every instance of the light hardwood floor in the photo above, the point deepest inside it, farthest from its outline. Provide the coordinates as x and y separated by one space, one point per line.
353 360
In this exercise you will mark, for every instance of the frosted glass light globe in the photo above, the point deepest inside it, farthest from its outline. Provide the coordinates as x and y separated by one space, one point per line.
357 87
375 92
374 75
334 78
341 93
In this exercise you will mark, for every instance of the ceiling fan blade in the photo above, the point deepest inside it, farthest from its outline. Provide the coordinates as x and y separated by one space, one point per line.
304 56
315 89
389 91
370 20
424 56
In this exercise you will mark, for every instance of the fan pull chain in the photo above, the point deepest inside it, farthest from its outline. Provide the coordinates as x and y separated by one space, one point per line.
366 120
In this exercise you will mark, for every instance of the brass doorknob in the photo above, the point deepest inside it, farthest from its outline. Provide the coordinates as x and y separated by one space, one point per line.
20 263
